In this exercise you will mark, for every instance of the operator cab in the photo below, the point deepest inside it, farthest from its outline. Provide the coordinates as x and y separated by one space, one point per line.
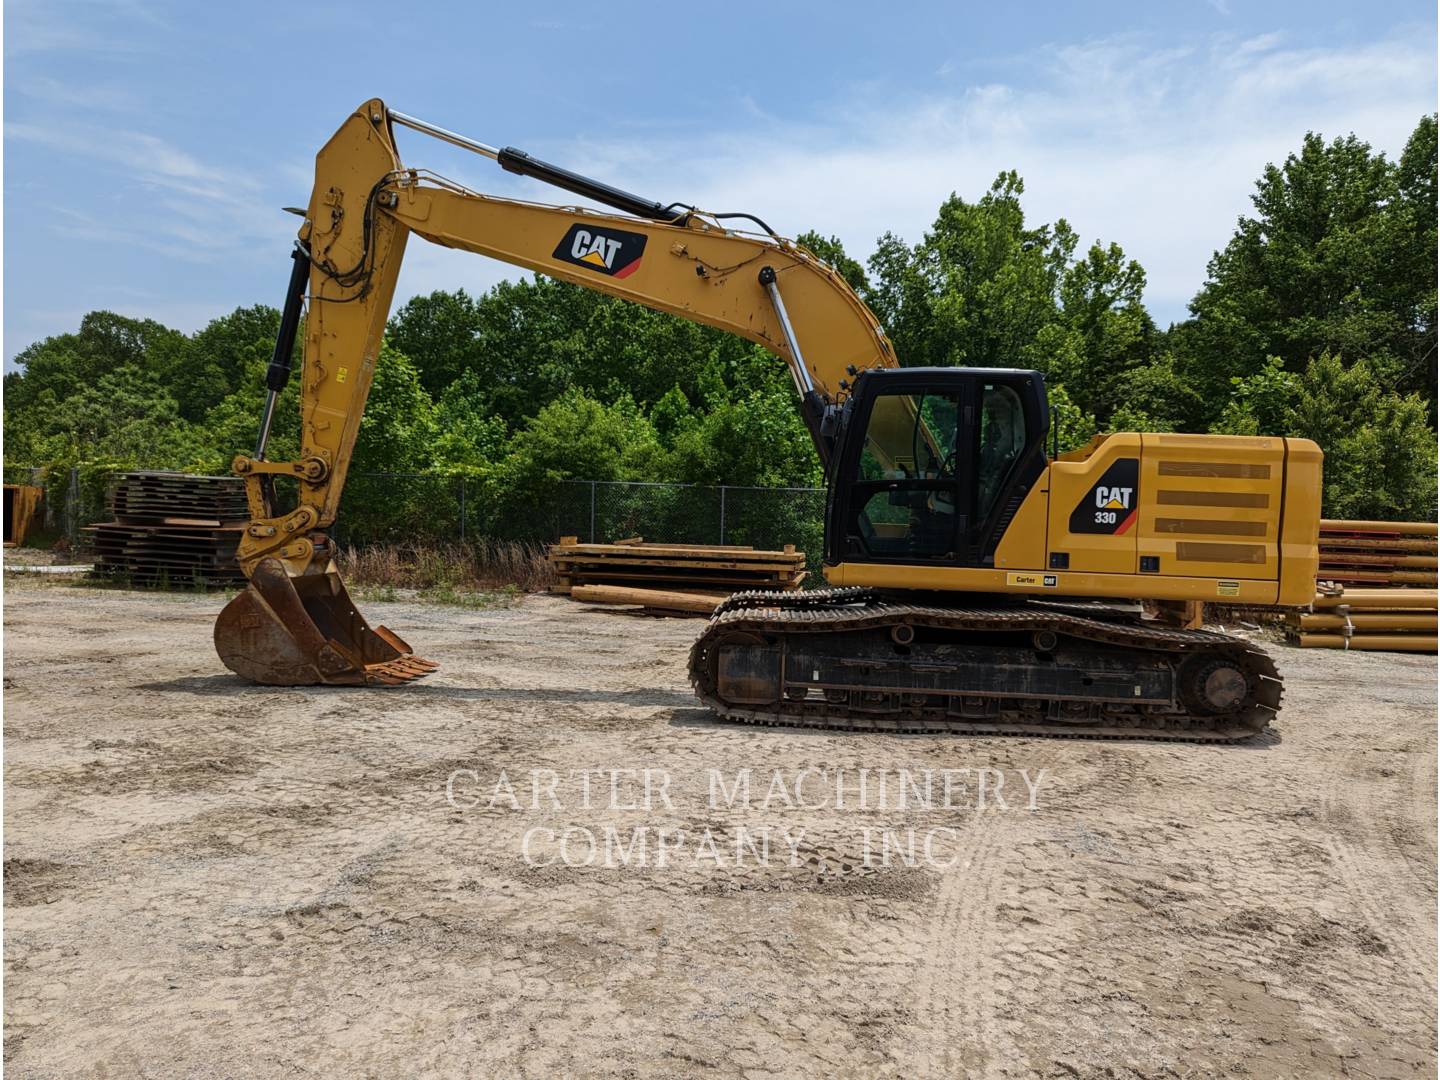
931 464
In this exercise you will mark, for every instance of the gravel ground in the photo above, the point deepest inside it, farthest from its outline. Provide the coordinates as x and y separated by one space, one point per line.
206 878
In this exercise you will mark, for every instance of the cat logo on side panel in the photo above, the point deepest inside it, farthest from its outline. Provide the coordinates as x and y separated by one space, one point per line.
1111 506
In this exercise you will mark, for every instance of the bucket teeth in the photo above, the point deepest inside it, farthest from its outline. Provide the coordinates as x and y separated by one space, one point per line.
414 666
395 672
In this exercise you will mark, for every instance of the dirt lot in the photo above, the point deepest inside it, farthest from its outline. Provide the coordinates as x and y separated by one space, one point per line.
205 878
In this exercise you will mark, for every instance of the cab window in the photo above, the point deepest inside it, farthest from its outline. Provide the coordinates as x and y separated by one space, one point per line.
1002 441
906 492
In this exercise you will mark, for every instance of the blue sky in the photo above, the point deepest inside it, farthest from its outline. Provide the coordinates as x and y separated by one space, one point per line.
149 146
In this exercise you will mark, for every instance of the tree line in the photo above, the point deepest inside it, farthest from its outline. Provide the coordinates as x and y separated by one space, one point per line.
1316 319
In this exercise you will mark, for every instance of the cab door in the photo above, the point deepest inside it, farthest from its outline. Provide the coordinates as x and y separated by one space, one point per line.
903 490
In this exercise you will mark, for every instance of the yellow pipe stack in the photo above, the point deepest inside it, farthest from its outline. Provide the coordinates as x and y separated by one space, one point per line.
1348 615
1377 554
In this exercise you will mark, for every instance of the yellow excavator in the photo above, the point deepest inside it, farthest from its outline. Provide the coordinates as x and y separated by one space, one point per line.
977 582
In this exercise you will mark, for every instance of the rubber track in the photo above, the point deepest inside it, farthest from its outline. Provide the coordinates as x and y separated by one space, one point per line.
856 609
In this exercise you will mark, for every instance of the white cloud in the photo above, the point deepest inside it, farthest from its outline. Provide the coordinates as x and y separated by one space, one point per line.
148 157
193 210
108 97
89 26
1134 141
1155 148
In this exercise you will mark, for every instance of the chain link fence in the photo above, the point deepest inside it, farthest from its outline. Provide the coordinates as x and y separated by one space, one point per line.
379 508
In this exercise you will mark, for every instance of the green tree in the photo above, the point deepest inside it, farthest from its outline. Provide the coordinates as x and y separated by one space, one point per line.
397 432
1071 427
1380 459
1413 277
1108 334
832 252
67 364
755 439
626 349
1262 404
218 359
577 437
1339 257
444 332
978 289
1381 467
521 339
125 415
231 425
467 434
1156 390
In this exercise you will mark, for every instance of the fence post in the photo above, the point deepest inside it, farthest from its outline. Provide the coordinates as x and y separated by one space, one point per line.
72 508
722 515
592 513
52 512
462 509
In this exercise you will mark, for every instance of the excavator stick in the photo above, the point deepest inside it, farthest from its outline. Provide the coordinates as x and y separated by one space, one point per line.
305 631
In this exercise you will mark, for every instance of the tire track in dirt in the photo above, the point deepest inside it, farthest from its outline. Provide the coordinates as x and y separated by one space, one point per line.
1370 888
954 1010
1167 911
964 987
1384 858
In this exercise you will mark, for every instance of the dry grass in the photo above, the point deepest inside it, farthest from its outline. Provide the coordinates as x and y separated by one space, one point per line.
470 567
1231 615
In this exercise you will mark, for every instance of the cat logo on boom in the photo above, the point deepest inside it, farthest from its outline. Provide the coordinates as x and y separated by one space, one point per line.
612 252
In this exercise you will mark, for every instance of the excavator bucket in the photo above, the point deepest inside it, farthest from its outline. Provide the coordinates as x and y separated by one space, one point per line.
305 631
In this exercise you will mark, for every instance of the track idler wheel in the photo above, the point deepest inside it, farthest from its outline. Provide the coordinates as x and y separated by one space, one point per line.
305 631
1214 686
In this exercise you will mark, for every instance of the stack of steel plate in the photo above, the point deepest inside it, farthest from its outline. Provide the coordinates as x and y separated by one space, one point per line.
173 529
670 577
159 496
